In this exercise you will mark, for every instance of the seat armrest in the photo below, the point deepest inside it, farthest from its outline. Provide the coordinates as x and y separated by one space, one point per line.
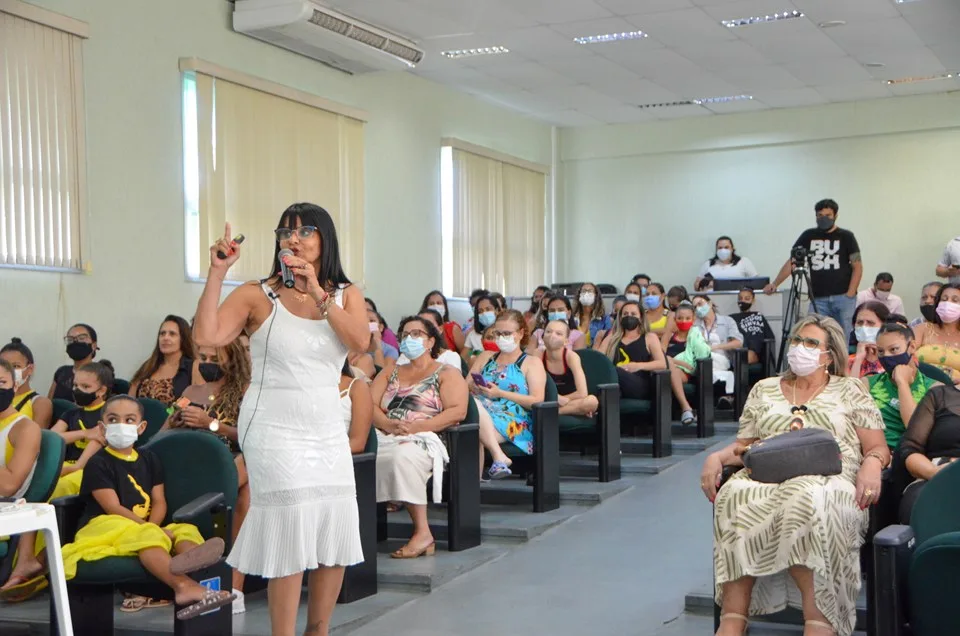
68 511
546 439
662 401
769 359
363 458
207 502
893 549
741 374
462 428
463 487
705 404
608 431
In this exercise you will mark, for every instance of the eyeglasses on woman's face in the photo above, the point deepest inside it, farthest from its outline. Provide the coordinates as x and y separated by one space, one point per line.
68 340
807 343
414 333
303 232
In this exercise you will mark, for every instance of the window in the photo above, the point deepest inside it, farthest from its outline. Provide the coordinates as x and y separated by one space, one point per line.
493 211
252 148
42 171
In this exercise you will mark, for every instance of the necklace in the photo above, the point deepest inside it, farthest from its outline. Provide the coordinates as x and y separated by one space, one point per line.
800 410
301 296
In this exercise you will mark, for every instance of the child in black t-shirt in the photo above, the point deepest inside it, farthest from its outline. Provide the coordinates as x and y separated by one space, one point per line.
125 508
752 324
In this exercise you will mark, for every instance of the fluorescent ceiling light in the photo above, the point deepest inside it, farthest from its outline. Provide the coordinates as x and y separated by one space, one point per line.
703 101
685 102
928 78
610 37
905 1
761 19
830 24
486 50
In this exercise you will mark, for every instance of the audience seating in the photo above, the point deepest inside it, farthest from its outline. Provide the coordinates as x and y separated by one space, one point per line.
603 429
120 387
60 407
700 392
657 411
917 566
360 580
934 373
544 464
155 413
201 488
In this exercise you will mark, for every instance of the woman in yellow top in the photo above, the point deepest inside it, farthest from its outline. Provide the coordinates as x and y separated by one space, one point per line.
938 341
654 310
28 402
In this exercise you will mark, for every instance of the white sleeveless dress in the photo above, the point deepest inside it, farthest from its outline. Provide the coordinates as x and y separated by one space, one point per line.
303 503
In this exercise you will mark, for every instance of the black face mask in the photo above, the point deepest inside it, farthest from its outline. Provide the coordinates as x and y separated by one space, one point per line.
629 323
6 398
82 398
745 307
211 371
825 222
929 312
79 350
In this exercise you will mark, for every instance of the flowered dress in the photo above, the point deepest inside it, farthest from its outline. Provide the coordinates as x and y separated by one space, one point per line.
512 420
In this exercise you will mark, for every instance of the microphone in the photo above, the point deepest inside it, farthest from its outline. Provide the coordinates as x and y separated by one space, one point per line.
285 272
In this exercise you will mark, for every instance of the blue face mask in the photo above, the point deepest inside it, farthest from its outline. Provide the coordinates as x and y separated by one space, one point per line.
651 302
702 311
487 318
890 363
412 347
557 315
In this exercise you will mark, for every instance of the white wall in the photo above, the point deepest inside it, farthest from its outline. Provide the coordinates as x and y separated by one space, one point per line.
135 174
654 197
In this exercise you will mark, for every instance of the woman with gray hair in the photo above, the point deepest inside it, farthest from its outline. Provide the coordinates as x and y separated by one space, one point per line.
773 539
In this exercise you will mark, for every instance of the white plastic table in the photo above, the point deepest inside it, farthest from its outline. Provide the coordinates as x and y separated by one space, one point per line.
40 517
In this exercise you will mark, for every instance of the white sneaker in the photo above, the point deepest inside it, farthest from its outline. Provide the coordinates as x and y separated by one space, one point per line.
238 606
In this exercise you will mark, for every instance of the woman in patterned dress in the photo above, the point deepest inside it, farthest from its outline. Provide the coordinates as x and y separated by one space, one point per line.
771 540
166 374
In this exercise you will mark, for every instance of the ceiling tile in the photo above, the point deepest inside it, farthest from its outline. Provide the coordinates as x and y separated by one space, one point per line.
551 11
746 9
838 71
849 10
523 101
634 7
792 48
530 75
919 63
570 118
579 97
893 33
639 92
587 67
676 28
656 64
754 78
593 27
789 97
699 86
539 40
622 115
676 112
936 26
714 56
854 92
919 88
741 106
948 54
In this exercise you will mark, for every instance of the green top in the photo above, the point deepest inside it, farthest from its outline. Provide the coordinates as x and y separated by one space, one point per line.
885 393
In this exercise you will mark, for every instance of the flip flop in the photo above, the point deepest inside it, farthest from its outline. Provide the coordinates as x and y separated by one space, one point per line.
499 470
25 588
210 601
203 556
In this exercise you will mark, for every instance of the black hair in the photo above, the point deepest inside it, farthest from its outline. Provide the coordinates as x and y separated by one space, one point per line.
433 313
633 282
331 274
936 301
678 291
895 327
534 308
498 300
477 325
476 294
933 283
827 204
884 277
749 289
734 257
634 279
372 304
431 330
881 310
16 345
571 320
899 319
658 286
120 397
619 298
346 370
704 296
446 309
104 373
6 366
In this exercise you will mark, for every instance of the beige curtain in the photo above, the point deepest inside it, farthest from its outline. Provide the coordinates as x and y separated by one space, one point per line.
498 225
258 153
42 185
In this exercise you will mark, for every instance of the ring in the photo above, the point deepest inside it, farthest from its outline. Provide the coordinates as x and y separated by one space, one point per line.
868 492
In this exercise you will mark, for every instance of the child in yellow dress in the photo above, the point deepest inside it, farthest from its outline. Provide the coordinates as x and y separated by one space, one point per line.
124 508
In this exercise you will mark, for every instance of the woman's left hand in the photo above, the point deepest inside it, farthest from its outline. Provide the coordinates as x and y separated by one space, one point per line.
305 271
195 417
405 427
492 392
868 484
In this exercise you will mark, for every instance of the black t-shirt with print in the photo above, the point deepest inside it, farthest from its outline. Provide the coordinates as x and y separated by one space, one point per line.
830 268
79 419
131 477
755 329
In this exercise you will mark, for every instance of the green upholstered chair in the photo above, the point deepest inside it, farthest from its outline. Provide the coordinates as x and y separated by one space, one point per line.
120 387
200 483
60 407
603 429
155 413
544 464
934 373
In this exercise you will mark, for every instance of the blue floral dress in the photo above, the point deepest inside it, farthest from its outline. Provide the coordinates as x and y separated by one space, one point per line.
512 420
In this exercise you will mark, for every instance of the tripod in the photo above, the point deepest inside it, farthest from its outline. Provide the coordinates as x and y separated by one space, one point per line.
799 278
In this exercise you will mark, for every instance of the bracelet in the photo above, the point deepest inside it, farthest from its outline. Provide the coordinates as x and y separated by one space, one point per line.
876 455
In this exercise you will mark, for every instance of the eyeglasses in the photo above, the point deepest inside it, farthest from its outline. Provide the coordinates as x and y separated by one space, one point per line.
414 333
303 232
809 343
69 340
503 334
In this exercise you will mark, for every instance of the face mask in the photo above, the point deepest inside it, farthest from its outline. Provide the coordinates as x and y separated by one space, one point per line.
440 309
824 222
553 341
881 295
629 323
588 299
374 327
867 335
79 350
948 311
634 298
489 345
702 311
412 347
487 318
890 363
803 361
557 315
507 344
210 371
643 289
745 306
6 398
122 436
684 325
651 302
82 398
18 378
928 312
724 254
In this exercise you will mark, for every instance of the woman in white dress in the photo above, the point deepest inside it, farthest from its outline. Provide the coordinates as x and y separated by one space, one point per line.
303 507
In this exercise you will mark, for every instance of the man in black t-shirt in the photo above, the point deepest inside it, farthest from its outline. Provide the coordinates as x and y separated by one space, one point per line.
835 267
753 325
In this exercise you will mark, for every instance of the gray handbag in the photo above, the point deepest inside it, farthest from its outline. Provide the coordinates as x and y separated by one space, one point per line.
807 451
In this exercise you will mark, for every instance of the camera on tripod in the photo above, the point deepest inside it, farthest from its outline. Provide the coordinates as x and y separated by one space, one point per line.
799 255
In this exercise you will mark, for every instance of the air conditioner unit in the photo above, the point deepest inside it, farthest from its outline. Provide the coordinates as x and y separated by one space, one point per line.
313 30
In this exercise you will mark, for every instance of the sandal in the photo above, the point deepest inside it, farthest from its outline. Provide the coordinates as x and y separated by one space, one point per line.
203 556
394 506
737 617
688 418
210 601
499 470
135 603
20 588
409 553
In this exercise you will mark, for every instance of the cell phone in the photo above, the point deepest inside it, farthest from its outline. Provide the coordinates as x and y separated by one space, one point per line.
237 240
479 380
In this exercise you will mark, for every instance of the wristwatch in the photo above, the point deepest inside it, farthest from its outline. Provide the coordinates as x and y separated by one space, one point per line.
214 426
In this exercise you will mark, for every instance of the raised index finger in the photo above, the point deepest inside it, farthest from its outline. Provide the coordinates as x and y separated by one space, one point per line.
226 232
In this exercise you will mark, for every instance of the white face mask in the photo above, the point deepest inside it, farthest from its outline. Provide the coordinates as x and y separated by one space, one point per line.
507 344
635 298
588 298
724 254
803 361
440 309
881 295
18 378
122 436
867 335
